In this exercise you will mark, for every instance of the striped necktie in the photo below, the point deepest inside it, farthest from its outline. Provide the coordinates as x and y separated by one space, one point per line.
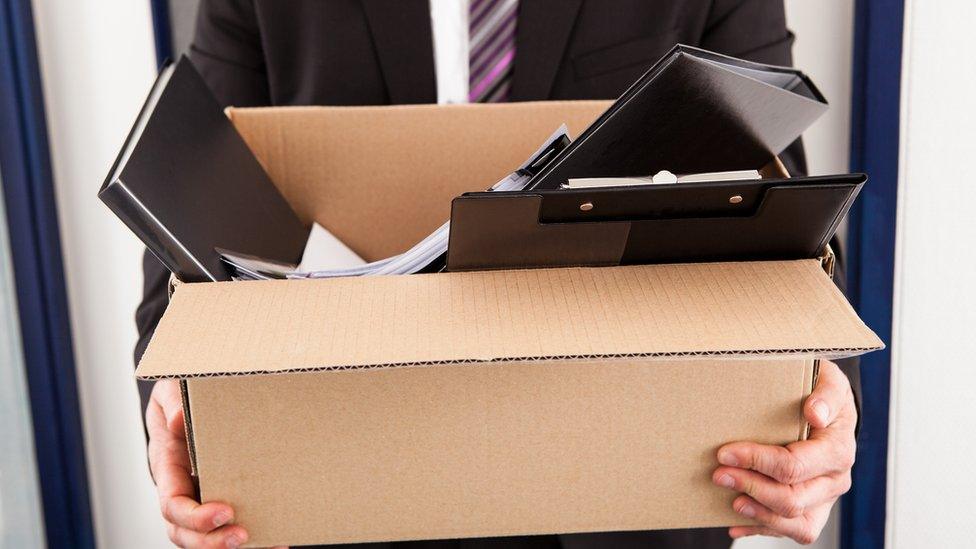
491 27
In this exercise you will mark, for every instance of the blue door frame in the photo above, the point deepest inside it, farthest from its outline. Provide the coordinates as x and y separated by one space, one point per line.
39 279
162 37
875 110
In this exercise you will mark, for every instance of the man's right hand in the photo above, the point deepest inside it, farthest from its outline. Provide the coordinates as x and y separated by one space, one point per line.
189 523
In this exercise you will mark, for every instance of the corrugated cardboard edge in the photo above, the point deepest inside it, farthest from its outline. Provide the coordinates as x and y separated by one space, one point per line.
188 426
827 353
811 380
805 348
231 110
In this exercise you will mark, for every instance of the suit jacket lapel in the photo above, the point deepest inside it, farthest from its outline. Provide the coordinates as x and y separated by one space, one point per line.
543 31
402 37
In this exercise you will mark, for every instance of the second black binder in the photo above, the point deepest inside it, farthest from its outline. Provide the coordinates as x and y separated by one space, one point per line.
694 111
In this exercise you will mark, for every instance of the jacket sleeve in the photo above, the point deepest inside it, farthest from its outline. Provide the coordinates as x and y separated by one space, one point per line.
226 49
756 30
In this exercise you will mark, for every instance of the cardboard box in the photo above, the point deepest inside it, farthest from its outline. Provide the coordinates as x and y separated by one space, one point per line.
480 403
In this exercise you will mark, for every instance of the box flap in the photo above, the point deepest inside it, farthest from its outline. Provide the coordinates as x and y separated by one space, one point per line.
399 165
786 308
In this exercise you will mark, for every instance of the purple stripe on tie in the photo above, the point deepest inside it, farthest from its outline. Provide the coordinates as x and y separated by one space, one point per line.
475 4
473 25
501 83
490 26
488 60
489 66
500 94
492 40
498 69
477 9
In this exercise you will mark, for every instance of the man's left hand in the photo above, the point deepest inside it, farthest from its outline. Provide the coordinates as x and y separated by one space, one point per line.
789 490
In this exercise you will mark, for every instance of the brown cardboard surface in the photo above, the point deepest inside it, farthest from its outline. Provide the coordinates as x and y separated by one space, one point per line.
564 400
485 450
712 309
382 178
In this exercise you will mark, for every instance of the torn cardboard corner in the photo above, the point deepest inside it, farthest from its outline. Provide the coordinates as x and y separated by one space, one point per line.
480 403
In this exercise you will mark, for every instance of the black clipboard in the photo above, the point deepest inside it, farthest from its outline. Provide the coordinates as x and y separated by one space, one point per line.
792 218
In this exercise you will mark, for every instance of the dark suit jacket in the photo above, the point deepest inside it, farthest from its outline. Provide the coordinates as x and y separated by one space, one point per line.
378 52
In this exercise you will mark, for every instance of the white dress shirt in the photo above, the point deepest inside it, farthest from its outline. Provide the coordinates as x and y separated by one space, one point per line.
449 25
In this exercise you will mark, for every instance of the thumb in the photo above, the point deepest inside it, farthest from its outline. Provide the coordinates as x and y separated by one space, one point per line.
167 393
829 398
174 419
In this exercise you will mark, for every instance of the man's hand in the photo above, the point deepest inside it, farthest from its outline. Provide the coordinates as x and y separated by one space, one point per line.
189 523
789 491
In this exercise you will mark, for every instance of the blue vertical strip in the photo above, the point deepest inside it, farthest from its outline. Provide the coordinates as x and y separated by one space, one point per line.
39 279
162 34
874 150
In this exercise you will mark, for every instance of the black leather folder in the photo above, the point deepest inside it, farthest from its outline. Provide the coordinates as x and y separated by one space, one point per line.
685 222
693 111
185 182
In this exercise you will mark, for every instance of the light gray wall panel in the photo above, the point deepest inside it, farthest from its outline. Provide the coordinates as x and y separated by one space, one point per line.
21 522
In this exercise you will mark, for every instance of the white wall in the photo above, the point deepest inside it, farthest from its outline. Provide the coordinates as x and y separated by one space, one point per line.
97 62
931 483
21 521
823 49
